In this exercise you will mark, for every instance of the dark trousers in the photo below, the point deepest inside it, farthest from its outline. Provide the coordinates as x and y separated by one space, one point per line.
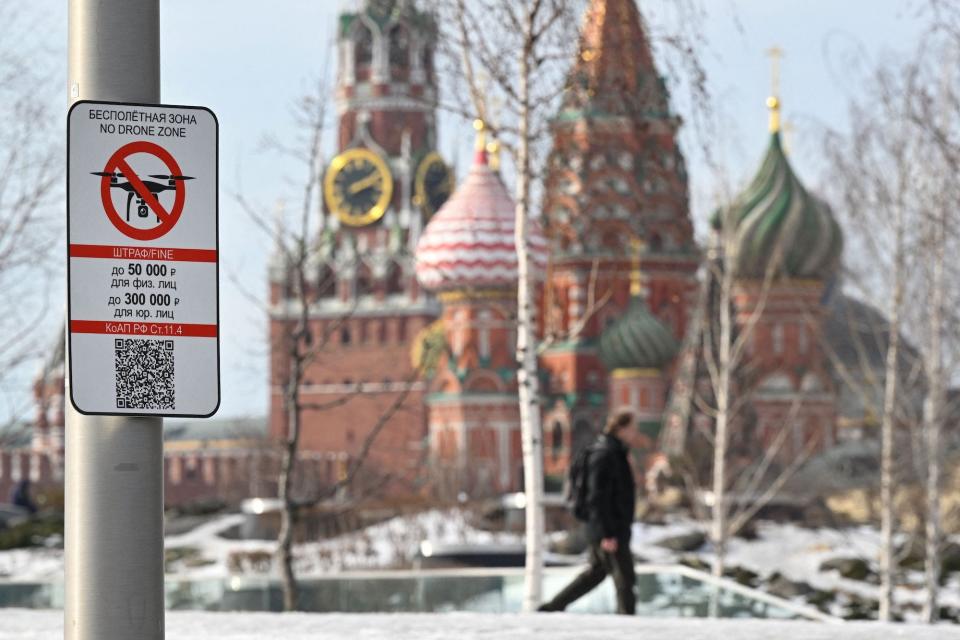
602 564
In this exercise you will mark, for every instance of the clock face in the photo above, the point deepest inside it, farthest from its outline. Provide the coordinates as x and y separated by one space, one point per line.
434 183
358 187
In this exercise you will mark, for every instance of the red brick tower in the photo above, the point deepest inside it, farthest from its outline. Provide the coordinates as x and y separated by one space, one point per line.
616 174
468 256
385 182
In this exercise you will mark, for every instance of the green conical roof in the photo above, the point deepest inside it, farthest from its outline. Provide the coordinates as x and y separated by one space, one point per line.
637 340
779 225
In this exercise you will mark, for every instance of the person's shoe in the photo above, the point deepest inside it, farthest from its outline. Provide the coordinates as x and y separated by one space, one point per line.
548 607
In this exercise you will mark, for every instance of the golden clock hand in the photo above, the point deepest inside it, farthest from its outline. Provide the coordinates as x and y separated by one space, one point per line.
366 183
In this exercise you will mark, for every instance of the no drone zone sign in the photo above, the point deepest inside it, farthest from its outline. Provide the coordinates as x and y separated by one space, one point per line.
143 259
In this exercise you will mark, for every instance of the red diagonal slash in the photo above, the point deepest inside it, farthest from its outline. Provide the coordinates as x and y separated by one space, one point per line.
166 220
142 190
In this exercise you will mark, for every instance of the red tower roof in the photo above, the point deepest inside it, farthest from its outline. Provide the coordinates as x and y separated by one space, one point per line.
614 73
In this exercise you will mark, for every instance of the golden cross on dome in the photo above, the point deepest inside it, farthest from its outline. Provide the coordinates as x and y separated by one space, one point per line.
775 54
636 277
481 128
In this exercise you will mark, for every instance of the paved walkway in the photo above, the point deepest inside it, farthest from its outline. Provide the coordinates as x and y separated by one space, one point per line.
21 624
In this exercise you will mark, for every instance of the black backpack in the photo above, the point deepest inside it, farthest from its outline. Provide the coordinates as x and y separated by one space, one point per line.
576 495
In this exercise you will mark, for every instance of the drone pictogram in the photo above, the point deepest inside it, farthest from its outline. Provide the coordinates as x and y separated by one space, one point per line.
156 188
118 174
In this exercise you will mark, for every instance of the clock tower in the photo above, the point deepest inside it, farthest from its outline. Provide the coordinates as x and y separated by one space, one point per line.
385 181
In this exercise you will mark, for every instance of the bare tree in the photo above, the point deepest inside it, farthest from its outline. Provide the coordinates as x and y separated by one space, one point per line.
519 47
882 163
298 346
29 175
936 113
753 475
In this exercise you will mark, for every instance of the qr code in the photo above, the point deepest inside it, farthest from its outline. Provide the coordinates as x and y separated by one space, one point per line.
144 374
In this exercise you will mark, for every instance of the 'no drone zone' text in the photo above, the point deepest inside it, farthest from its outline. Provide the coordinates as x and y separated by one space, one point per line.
142 123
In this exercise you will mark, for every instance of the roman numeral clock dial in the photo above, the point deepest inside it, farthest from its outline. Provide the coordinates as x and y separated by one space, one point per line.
358 187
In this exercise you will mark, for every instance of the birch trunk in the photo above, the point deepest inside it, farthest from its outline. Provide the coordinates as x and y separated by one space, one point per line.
887 422
932 423
527 378
719 530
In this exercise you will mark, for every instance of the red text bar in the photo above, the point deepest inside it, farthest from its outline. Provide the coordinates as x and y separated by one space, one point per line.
156 329
142 253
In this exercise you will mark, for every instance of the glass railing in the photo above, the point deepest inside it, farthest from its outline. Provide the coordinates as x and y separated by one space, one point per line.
669 591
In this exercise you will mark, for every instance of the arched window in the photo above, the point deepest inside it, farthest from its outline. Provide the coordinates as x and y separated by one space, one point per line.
399 52
394 279
427 61
656 242
363 46
326 282
777 338
364 281
556 439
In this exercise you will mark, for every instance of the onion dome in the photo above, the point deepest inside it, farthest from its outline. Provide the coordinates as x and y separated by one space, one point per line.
637 340
469 244
779 225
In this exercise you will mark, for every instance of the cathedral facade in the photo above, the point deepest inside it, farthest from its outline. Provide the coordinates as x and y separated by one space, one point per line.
625 290
411 289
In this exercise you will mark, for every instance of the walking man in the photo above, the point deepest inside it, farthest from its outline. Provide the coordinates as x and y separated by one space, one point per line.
610 503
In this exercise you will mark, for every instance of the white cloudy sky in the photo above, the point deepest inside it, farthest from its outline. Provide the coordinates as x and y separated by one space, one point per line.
249 60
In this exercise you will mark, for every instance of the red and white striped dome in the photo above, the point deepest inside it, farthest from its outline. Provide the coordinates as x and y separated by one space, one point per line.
469 243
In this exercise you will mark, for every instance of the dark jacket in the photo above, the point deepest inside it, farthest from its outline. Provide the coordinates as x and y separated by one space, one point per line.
611 491
20 496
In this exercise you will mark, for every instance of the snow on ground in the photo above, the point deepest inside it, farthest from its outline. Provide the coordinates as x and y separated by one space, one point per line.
31 565
794 551
383 546
393 543
48 625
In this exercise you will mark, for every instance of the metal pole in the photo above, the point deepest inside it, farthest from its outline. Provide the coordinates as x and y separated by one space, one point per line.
114 465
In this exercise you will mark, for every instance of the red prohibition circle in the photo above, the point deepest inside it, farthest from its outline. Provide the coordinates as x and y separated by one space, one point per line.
118 162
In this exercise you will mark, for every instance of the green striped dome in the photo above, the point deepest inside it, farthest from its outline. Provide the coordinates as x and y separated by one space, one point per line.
637 340
776 219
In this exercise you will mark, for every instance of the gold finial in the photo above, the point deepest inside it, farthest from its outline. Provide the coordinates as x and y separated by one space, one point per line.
481 128
773 102
638 246
493 154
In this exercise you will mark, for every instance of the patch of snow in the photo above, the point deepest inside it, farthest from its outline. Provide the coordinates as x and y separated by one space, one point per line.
48 625
31 565
794 551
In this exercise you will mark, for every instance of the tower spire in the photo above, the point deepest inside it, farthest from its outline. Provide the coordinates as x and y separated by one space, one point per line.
775 54
480 146
614 72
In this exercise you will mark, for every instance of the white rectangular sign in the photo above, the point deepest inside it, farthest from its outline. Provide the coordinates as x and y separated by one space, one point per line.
143 265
